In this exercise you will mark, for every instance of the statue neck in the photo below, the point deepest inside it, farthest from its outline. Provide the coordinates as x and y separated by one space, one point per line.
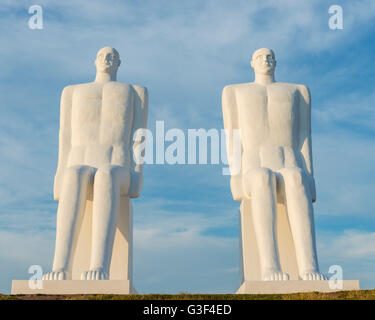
105 77
264 79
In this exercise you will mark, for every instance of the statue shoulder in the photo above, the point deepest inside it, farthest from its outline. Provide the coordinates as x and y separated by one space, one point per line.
142 91
299 88
67 96
296 86
230 91
126 87
68 90
303 89
232 88
139 88
305 92
228 97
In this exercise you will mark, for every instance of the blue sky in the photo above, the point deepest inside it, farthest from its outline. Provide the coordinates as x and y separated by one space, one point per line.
185 52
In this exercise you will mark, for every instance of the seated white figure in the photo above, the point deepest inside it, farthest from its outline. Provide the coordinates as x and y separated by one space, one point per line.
274 119
97 174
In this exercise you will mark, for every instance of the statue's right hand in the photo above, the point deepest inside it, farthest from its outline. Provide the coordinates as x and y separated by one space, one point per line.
57 186
236 187
312 187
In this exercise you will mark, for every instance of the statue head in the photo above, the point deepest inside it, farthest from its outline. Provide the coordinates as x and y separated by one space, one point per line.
263 61
107 60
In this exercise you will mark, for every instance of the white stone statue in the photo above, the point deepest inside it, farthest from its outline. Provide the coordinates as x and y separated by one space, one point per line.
275 183
97 175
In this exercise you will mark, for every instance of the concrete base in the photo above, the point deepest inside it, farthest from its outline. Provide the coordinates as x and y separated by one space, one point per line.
75 287
293 286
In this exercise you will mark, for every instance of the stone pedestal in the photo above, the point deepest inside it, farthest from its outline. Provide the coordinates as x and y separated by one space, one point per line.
293 286
249 254
75 287
122 252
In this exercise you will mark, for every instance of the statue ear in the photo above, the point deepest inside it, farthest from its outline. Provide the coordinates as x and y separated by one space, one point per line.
252 63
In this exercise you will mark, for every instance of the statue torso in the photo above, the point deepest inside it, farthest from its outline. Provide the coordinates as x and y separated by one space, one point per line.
101 123
268 118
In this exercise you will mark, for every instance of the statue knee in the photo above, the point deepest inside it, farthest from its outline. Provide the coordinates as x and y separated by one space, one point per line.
105 174
293 177
75 175
113 178
260 178
109 175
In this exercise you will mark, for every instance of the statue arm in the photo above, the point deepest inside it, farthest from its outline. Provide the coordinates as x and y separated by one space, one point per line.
64 138
139 122
230 117
305 135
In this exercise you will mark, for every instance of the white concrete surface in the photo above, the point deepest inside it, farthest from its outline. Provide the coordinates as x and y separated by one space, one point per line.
75 287
293 286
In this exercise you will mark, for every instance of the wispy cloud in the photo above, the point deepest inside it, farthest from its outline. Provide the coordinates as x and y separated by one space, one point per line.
356 108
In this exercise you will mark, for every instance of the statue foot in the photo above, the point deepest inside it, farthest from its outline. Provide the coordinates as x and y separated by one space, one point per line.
312 276
95 274
56 275
274 275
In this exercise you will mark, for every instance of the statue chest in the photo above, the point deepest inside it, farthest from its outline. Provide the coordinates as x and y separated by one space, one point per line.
268 113
282 112
102 113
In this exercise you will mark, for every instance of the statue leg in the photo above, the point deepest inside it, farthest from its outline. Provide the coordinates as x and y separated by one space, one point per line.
69 217
262 186
108 184
301 218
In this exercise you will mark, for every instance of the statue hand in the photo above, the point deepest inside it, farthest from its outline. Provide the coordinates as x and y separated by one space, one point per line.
312 187
135 184
236 187
57 185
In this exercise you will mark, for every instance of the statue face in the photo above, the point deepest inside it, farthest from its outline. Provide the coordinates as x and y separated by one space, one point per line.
263 61
107 60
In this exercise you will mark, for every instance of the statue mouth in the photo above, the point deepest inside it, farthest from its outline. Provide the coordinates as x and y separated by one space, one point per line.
106 65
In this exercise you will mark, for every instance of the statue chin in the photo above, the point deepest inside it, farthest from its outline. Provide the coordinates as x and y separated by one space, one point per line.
107 70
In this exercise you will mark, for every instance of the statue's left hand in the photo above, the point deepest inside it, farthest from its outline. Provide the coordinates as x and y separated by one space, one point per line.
57 185
135 184
312 187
